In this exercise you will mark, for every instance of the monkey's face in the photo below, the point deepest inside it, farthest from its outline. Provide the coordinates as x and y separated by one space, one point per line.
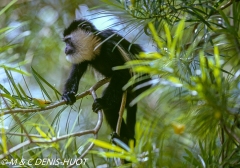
69 49
80 46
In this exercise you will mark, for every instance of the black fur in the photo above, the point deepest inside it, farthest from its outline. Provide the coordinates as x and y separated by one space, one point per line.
108 57
83 24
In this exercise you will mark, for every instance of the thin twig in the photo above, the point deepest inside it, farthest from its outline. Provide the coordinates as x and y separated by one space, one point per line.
226 5
59 103
119 123
19 134
231 133
222 140
98 125
40 140
85 152
121 111
15 117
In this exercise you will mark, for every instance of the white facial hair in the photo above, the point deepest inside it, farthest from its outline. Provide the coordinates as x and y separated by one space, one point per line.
84 44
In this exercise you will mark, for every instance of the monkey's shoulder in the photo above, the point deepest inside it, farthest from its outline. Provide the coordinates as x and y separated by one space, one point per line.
111 36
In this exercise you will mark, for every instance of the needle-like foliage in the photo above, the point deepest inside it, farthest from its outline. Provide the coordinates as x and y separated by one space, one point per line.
189 117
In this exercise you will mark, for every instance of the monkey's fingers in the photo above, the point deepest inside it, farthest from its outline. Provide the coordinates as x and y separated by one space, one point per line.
69 98
97 105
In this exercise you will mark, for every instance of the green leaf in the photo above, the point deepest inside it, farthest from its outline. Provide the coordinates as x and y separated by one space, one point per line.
15 70
8 96
113 3
116 155
191 158
38 76
42 133
4 89
155 35
24 94
8 6
5 29
13 83
109 146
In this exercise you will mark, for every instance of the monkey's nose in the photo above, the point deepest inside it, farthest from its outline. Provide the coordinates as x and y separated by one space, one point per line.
69 51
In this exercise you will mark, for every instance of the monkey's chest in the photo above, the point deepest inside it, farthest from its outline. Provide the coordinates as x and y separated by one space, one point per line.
104 63
103 67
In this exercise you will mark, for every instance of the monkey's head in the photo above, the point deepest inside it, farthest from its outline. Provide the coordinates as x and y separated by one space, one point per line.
81 39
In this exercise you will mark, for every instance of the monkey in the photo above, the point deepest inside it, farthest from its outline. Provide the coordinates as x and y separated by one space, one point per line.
103 50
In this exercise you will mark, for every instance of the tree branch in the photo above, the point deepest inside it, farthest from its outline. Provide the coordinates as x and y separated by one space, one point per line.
59 103
40 140
121 111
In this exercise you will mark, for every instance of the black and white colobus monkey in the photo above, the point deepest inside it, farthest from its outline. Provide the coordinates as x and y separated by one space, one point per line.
85 45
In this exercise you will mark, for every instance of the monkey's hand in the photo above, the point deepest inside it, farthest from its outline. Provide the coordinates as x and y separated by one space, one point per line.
97 105
69 97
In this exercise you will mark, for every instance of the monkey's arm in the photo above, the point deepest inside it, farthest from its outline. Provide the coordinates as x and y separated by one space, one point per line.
112 95
71 86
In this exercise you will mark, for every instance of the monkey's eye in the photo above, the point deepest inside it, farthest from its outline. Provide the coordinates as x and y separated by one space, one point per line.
85 27
67 40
